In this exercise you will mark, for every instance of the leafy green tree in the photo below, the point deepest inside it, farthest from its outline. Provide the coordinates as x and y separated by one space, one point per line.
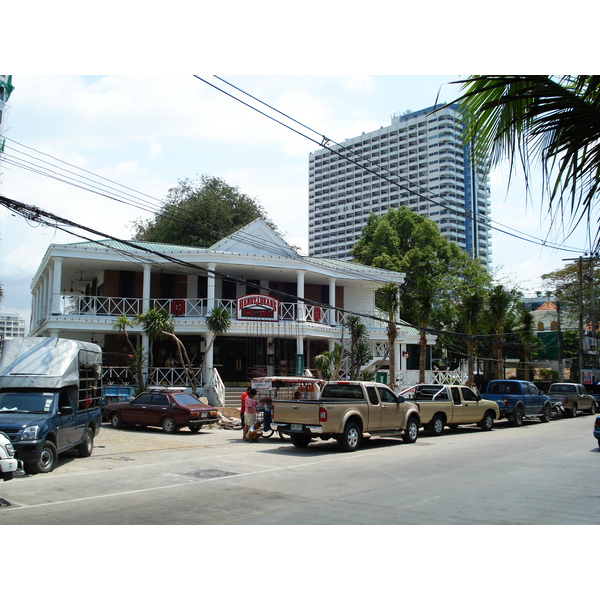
555 119
402 240
565 283
200 213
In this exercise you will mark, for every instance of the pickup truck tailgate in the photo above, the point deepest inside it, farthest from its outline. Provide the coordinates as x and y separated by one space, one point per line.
305 412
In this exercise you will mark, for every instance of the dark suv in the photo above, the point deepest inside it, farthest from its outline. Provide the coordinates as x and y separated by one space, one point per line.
169 408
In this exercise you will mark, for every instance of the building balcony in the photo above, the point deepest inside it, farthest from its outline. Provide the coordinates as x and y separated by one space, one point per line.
86 309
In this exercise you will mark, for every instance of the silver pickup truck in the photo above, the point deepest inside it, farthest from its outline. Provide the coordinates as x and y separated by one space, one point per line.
345 411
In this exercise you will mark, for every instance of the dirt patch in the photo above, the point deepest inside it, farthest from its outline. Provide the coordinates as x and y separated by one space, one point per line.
230 412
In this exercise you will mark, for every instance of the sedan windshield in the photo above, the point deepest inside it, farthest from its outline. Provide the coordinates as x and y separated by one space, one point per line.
26 402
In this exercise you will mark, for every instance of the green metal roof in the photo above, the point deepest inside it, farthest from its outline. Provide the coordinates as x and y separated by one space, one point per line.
149 246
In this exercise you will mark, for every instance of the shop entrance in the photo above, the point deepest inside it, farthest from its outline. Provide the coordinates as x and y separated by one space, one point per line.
238 359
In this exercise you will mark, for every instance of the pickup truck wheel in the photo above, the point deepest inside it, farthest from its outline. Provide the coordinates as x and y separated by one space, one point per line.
299 440
87 445
487 423
518 417
546 414
169 426
593 408
351 437
47 460
116 421
573 411
412 431
436 425
195 428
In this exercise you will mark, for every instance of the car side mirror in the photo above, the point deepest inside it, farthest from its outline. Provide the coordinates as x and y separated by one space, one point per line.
65 410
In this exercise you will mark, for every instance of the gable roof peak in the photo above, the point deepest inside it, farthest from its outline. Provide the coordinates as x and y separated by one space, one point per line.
257 237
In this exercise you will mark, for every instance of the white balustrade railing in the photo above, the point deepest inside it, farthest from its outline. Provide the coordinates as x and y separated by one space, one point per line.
198 308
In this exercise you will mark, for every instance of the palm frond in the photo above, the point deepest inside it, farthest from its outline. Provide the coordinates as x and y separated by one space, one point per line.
553 120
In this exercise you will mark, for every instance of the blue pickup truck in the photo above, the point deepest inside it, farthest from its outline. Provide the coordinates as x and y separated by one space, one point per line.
518 400
49 398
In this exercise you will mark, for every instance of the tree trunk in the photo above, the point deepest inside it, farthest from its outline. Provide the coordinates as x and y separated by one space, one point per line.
422 355
470 363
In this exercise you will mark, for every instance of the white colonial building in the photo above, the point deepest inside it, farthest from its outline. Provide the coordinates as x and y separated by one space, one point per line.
285 308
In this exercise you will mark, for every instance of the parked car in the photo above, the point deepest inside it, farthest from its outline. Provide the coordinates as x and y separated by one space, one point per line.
574 398
597 429
9 465
168 407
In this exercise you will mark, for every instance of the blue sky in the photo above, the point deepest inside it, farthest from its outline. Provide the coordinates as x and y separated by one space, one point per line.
147 133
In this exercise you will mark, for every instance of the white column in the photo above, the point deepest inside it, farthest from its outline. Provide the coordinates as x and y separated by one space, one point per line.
146 355
146 288
55 291
300 292
34 307
332 302
402 357
210 301
271 356
44 296
209 335
398 359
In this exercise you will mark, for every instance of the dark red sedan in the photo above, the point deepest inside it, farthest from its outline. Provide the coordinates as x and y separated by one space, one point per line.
169 408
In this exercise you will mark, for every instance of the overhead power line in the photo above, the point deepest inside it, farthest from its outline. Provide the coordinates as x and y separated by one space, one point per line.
325 140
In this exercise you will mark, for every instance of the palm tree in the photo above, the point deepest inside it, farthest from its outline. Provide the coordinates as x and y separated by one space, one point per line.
555 119
157 323
470 310
327 363
218 321
121 324
528 338
389 300
501 302
359 349
154 322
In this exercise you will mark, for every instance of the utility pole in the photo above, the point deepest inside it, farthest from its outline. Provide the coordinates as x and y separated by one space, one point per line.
580 319
594 324
559 356
580 352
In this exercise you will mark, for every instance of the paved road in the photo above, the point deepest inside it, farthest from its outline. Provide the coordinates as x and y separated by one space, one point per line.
537 474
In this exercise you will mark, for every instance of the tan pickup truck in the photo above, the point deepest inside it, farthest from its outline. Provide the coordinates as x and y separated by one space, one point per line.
452 405
345 411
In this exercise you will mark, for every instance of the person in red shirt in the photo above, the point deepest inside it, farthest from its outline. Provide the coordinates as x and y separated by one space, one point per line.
243 408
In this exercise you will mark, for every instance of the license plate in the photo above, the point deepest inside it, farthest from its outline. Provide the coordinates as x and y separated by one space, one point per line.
204 415
295 427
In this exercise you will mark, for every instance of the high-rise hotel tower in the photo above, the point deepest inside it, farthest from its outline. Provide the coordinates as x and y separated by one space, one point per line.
418 161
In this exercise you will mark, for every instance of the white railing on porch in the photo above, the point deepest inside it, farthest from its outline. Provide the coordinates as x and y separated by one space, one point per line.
196 308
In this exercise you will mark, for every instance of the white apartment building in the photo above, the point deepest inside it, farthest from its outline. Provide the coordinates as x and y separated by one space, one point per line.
11 326
418 161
